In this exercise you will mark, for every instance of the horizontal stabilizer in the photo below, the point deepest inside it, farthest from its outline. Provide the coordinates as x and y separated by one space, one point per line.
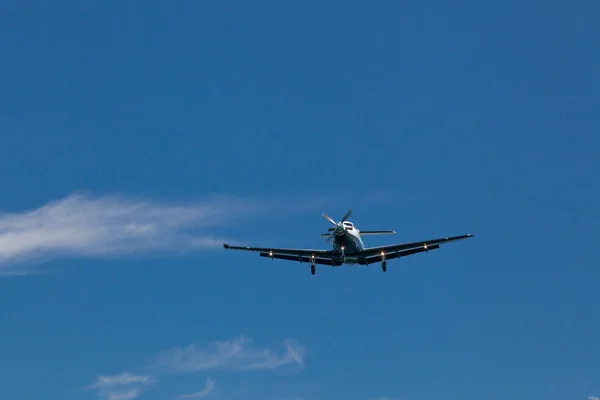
377 232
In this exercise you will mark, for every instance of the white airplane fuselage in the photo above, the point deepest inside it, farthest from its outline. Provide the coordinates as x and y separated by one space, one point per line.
347 241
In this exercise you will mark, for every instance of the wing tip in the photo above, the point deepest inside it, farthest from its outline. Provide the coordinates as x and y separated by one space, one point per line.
225 245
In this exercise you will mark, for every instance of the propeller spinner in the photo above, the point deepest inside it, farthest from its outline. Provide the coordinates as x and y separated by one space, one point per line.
339 227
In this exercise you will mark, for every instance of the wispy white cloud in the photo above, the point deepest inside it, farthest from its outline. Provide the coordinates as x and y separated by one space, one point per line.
125 386
209 387
126 378
235 354
593 398
82 225
125 395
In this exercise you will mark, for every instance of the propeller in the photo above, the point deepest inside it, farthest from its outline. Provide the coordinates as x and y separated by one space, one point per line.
328 238
338 225
328 218
347 215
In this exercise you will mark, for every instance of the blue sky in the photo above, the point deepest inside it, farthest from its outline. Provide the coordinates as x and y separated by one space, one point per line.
137 136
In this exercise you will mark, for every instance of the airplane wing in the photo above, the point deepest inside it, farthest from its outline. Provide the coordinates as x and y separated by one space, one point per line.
375 254
368 255
325 257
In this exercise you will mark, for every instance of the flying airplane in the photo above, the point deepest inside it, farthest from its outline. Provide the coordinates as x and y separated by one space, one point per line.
348 247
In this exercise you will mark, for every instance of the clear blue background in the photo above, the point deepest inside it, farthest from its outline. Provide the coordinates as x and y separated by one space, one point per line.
462 117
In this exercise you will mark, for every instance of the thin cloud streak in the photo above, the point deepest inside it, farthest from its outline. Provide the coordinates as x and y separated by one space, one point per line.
209 387
235 354
82 225
229 355
127 395
125 386
125 378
